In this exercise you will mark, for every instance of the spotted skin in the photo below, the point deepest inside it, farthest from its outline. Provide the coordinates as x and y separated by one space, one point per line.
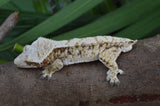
108 58
54 55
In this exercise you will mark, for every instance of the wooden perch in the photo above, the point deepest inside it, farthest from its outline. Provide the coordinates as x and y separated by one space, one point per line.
84 84
8 25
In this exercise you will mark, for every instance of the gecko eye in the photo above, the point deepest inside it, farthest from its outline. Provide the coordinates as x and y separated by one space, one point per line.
130 42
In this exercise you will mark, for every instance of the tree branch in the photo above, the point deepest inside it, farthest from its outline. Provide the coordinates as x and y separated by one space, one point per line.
8 25
84 84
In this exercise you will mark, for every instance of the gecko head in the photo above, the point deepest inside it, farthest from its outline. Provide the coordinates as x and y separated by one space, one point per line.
35 53
128 45
22 59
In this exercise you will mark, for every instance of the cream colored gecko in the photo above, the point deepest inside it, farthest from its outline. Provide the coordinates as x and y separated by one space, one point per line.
54 55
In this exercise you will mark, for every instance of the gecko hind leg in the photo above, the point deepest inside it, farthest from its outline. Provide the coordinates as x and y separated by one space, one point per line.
108 58
50 69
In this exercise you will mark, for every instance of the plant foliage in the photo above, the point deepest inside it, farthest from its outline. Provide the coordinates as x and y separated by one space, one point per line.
135 19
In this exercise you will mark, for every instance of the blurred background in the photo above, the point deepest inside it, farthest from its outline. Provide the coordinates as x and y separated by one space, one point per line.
66 19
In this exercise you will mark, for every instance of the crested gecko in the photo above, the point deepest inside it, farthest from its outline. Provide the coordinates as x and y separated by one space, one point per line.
54 55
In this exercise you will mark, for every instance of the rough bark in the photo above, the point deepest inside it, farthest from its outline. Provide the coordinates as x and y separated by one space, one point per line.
84 84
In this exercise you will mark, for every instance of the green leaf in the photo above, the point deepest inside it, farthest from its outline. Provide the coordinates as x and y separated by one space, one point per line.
105 7
18 48
114 21
3 61
8 55
125 1
109 4
63 17
2 2
143 28
79 22
19 5
42 6
62 3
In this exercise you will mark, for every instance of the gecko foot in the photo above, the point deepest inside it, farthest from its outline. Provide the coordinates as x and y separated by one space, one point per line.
112 76
52 68
46 74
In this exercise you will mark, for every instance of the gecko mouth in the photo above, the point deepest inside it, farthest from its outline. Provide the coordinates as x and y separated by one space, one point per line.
20 62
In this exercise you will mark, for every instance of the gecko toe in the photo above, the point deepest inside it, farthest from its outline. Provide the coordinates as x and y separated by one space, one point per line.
117 82
107 78
120 71
42 77
114 81
43 74
46 75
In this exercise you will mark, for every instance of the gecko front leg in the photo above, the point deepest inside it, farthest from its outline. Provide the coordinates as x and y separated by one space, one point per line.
108 58
55 66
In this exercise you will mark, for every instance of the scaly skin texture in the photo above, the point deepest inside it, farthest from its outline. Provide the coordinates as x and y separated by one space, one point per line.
54 55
